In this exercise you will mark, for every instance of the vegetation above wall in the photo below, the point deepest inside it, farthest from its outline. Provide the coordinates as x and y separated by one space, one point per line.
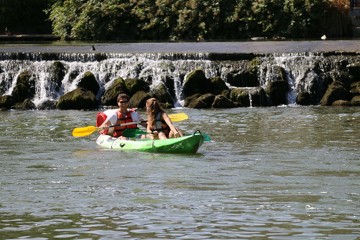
177 20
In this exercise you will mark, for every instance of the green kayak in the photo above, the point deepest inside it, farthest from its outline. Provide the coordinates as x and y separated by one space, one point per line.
186 144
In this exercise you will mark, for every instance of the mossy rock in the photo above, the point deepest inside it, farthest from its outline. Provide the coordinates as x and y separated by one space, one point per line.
196 82
136 85
78 99
161 93
110 96
204 101
335 91
138 100
24 88
6 102
240 96
88 82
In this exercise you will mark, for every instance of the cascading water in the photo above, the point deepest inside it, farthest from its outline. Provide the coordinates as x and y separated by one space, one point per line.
302 70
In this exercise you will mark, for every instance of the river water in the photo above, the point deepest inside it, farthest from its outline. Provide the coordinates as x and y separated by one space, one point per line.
268 173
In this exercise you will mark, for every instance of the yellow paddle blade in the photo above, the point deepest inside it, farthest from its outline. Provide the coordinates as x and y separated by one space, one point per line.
84 131
177 117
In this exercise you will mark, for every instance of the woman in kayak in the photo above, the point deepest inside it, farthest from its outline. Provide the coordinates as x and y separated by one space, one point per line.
159 124
118 117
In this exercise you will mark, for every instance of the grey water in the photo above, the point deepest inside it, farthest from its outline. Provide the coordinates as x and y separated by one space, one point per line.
269 173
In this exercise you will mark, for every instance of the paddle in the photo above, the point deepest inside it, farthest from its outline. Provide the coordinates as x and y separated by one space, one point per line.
86 131
133 132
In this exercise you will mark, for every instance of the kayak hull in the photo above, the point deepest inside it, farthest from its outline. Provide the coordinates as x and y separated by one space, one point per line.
186 144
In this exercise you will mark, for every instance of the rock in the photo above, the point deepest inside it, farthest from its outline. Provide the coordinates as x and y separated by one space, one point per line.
79 98
25 105
195 82
341 103
240 97
161 93
138 100
304 98
57 74
246 77
355 88
110 96
354 70
88 82
277 91
355 101
335 91
188 100
221 101
204 101
6 102
24 88
217 85
258 97
135 85
47 105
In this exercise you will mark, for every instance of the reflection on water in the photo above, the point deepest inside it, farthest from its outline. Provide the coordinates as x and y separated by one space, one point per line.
278 173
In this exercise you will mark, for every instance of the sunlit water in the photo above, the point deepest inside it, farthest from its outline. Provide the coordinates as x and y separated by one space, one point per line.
268 173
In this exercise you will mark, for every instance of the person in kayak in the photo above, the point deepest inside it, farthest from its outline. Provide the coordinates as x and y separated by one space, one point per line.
118 117
159 124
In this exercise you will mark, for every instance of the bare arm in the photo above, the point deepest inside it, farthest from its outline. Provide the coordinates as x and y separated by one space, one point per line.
169 122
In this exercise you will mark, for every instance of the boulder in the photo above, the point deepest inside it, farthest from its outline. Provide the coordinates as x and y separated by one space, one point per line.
277 92
335 91
354 70
240 96
25 105
138 100
341 103
204 101
57 74
110 96
47 105
6 102
195 82
246 77
217 85
305 99
355 88
88 82
258 97
355 101
24 88
136 85
161 93
221 101
79 98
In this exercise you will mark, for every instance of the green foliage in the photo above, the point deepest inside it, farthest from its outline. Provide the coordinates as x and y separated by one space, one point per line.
196 20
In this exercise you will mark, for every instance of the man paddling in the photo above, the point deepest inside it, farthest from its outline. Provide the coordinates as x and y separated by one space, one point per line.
118 118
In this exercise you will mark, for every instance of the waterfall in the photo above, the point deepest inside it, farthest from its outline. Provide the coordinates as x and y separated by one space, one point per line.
302 70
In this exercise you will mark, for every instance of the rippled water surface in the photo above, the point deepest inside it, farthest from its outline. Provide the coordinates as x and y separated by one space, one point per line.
268 173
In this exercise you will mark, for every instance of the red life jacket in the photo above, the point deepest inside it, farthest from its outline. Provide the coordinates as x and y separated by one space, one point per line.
100 118
121 119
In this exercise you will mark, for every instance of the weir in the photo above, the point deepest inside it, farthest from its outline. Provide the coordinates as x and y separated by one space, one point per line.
303 70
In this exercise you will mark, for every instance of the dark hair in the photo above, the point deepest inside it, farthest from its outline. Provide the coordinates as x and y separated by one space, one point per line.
122 95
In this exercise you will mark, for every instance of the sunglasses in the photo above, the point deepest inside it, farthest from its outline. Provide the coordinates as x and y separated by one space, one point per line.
123 101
